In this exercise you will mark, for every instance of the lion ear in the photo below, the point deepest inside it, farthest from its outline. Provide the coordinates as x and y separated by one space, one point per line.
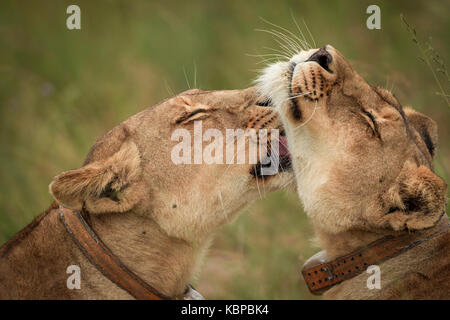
418 199
425 127
107 185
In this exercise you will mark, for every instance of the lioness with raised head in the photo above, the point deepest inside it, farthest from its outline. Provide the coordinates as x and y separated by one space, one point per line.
364 173
133 223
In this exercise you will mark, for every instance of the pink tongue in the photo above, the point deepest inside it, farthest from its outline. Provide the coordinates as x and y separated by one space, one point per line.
283 147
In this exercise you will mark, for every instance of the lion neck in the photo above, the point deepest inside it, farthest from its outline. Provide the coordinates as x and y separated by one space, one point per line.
338 244
166 263
342 243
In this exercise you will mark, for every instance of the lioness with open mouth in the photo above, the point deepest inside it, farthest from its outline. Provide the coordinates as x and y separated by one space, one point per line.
364 173
130 220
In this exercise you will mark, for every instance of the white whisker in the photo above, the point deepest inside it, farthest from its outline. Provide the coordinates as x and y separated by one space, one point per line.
302 42
168 88
286 45
306 122
296 96
185 76
195 75
279 51
308 46
310 34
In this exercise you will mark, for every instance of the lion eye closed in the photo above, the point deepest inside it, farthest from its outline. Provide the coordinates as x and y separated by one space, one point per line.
265 103
197 114
372 123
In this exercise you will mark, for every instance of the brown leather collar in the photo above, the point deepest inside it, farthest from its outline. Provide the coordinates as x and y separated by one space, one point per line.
107 263
321 276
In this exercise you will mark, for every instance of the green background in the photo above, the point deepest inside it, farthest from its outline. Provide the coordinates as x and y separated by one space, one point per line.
61 89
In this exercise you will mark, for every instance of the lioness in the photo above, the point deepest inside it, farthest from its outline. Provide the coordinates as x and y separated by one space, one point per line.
364 173
154 216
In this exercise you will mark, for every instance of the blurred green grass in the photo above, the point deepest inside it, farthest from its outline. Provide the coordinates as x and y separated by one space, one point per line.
61 89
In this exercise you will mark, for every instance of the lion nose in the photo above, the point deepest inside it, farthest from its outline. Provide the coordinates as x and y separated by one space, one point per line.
322 57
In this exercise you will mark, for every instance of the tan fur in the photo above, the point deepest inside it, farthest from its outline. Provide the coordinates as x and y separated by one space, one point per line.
84 186
157 217
364 170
